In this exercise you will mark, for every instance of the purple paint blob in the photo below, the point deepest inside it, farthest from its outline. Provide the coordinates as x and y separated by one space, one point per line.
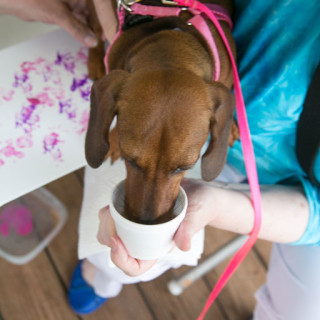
27 118
85 93
65 60
77 83
20 79
64 105
16 217
66 108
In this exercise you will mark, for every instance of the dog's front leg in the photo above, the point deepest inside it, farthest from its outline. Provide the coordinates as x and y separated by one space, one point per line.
96 68
114 151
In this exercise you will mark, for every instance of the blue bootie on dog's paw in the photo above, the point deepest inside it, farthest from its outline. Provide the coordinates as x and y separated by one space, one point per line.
82 297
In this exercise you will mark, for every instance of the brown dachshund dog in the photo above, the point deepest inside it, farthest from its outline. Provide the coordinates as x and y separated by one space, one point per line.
161 90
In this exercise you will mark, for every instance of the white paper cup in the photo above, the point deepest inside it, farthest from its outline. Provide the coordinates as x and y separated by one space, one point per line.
146 242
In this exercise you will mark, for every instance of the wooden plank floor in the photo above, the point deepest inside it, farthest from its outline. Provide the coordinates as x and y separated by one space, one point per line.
37 290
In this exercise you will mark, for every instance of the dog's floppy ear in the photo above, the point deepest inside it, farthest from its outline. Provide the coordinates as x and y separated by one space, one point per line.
104 95
221 120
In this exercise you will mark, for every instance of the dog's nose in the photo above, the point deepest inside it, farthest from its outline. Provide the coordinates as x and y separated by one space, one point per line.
149 203
149 216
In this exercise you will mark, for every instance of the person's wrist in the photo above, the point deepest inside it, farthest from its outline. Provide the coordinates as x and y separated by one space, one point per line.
234 211
216 205
204 206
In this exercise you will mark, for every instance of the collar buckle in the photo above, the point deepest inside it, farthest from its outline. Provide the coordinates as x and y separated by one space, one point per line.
126 4
169 2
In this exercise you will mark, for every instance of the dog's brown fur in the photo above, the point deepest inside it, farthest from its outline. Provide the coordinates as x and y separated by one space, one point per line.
160 87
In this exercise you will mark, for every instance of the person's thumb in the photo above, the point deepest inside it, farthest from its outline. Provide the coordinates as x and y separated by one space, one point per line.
76 28
183 236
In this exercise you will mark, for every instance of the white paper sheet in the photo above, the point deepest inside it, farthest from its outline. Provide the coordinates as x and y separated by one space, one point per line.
44 109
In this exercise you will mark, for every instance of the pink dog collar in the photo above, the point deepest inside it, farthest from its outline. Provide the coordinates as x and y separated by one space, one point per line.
249 160
197 21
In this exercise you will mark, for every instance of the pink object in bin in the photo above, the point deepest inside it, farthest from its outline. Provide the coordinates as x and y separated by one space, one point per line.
17 218
28 224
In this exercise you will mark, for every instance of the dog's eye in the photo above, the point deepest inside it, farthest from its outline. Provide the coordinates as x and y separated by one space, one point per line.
179 171
133 164
182 169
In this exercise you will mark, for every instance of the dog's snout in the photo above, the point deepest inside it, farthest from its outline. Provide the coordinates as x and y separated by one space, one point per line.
150 207
149 215
150 199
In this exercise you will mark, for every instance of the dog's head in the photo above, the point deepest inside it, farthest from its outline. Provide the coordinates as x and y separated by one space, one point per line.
164 118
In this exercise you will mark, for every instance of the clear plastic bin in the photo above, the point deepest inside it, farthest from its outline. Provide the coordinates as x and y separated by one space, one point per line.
28 224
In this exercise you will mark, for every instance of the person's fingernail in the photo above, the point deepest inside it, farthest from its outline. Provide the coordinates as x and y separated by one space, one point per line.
113 245
90 41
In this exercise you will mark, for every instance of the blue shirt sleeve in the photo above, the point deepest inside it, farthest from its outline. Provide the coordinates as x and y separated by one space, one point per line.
278 44
311 235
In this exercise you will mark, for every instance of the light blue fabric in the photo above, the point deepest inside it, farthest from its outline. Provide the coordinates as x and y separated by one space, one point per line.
278 45
317 165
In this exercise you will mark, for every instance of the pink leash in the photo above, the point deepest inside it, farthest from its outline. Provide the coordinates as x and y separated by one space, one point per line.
248 159
246 142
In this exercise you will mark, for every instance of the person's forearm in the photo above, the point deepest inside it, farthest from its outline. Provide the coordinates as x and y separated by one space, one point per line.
285 212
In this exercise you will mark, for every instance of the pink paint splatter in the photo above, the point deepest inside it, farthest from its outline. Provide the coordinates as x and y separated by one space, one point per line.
40 67
28 66
24 142
33 101
82 56
6 94
50 145
10 151
84 121
45 99
51 141
15 217
57 92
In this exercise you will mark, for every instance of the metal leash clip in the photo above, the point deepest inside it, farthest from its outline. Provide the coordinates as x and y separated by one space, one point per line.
126 4
169 2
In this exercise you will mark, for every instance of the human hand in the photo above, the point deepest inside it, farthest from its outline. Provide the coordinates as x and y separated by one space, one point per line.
70 15
107 235
285 211
201 211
